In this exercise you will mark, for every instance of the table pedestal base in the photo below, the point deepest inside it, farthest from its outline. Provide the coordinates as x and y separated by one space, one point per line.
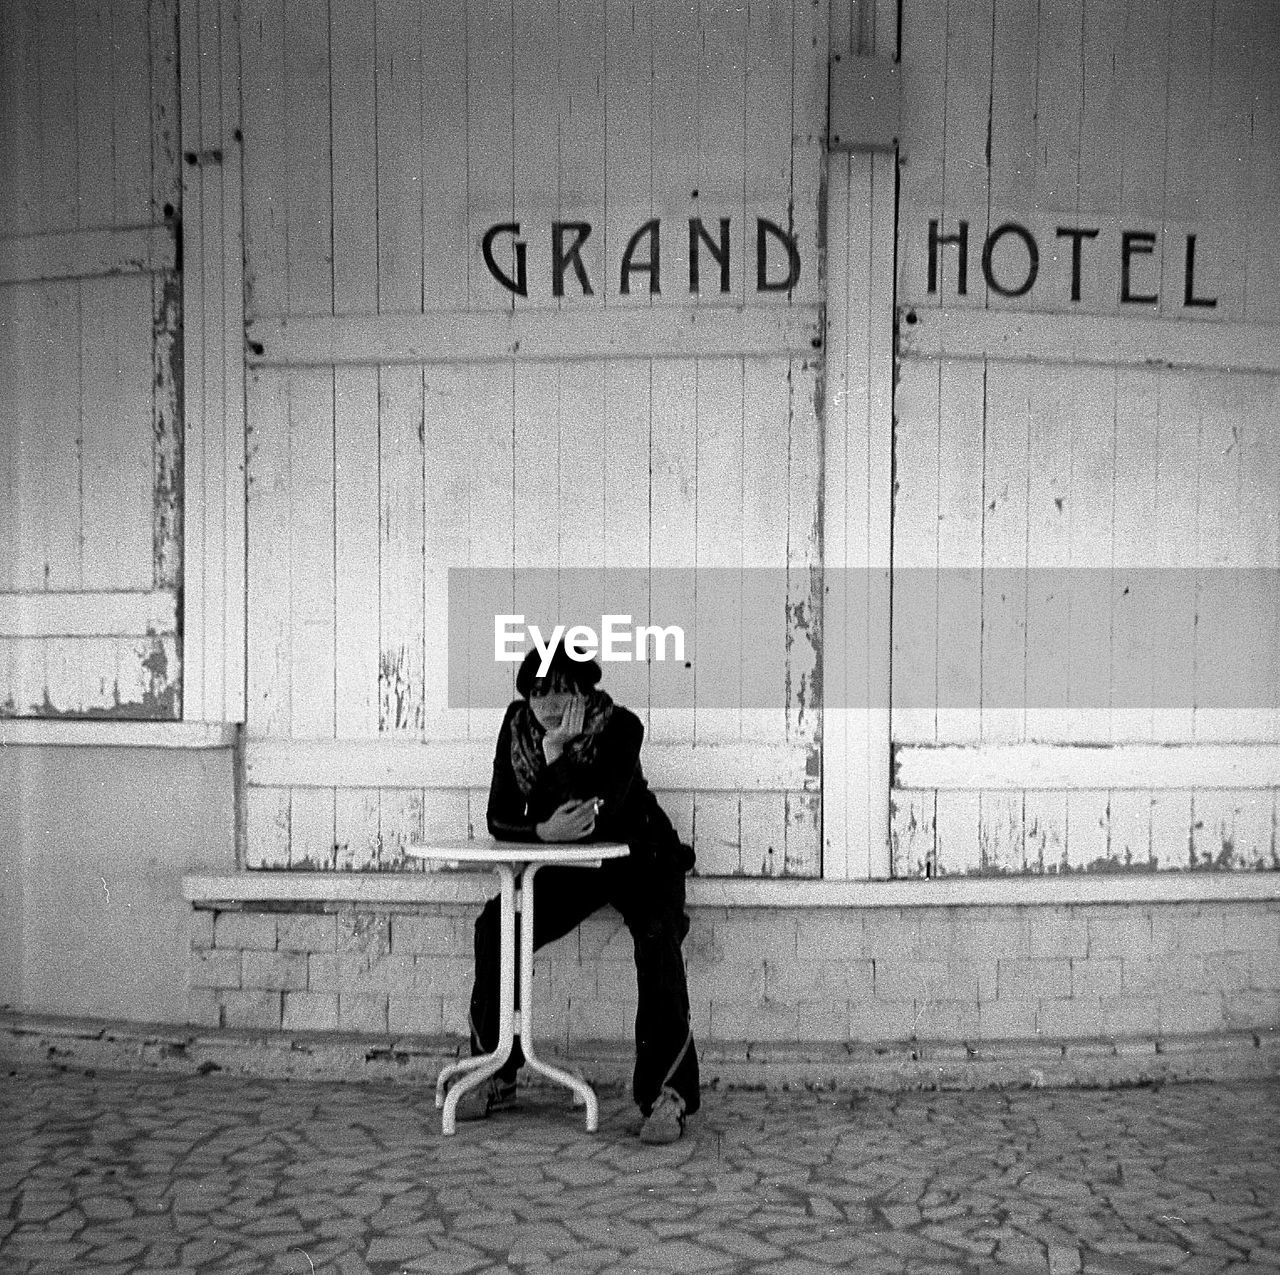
516 896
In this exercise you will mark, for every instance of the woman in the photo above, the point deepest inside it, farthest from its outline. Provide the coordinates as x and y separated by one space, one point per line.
567 768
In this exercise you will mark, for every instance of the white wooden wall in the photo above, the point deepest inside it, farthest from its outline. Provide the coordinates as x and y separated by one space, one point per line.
1043 432
392 434
90 450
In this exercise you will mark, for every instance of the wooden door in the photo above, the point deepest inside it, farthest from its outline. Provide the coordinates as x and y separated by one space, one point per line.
409 412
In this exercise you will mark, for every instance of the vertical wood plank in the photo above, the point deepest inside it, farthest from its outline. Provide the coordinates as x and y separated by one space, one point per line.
489 420
721 126
924 97
116 438
309 238
718 635
1000 832
961 509
312 601
270 637
1050 516
1171 833
717 817
957 818
1044 831
265 169
49 459
808 130
59 161
762 833
231 485
1143 122
536 168
1059 59
20 102
401 431
1136 588
916 623
490 146
1130 824
1177 465
92 94
629 154
131 73
1088 829
447 254
400 157
977 138
446 539
626 515
267 834
12 306
1262 255
1004 544
766 402
1092 521
580 109
803 853
673 535
913 839
211 509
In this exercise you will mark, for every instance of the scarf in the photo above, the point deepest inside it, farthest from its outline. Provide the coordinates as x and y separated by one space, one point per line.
526 739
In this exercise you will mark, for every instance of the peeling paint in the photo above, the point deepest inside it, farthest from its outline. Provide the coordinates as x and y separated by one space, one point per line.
400 700
167 431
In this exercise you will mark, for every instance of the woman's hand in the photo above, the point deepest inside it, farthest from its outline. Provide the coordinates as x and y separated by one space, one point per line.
571 822
558 738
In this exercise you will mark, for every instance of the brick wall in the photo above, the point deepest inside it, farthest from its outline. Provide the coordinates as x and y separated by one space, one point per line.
769 975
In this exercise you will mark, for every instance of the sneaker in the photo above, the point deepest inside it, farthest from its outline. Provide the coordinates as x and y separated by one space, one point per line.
665 1122
486 1099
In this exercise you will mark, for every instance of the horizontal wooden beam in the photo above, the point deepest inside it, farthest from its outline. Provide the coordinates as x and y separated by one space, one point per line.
461 336
410 888
962 332
62 733
469 764
1110 767
41 615
87 254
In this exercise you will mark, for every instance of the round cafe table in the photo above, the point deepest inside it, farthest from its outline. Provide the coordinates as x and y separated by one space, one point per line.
515 863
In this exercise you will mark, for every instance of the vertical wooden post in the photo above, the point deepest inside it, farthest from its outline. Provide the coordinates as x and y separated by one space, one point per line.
213 621
857 480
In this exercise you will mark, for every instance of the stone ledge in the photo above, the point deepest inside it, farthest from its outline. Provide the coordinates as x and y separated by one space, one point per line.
433 887
910 1065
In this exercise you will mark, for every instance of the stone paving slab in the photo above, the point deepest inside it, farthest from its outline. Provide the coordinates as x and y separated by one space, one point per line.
144 1172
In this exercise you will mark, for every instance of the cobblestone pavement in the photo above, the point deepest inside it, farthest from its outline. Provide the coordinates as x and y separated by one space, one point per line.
129 1172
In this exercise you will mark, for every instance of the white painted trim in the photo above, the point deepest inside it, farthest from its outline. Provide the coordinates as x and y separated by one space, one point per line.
958 332
40 615
857 515
87 254
393 763
1047 767
469 764
213 619
721 892
101 733
457 336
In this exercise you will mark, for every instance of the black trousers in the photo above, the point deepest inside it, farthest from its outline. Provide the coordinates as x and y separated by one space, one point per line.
649 894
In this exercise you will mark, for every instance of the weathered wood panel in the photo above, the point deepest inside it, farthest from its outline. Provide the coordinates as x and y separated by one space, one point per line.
677 429
1110 572
1083 830
88 403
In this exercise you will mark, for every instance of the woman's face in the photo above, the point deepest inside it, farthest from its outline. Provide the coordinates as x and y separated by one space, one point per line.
548 699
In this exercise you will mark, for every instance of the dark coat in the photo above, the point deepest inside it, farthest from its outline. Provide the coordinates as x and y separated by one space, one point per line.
630 812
